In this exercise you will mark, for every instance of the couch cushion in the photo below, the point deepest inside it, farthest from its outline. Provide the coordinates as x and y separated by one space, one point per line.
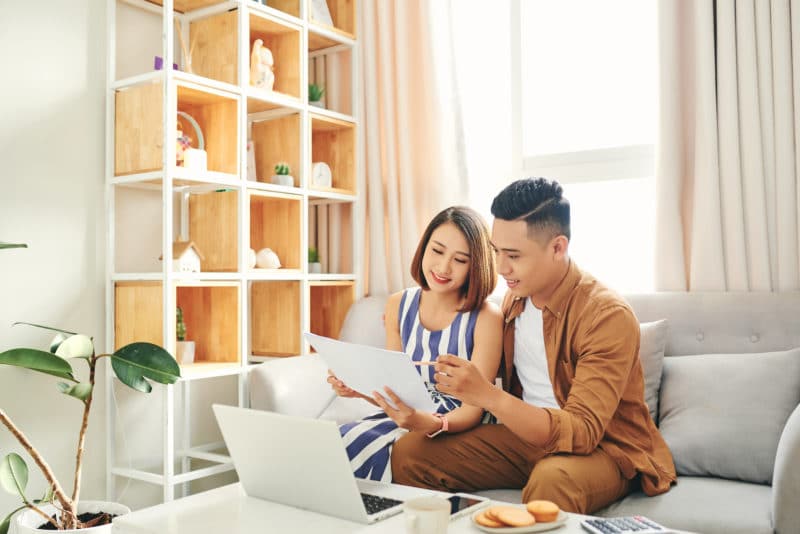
723 414
651 354
707 505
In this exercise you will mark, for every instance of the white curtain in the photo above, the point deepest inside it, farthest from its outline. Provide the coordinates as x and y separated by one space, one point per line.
729 148
415 164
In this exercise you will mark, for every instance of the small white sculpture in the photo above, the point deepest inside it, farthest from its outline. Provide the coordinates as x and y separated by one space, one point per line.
267 259
261 63
186 257
251 259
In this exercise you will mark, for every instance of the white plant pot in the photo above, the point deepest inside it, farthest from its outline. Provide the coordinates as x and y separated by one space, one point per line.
185 352
282 179
315 267
28 521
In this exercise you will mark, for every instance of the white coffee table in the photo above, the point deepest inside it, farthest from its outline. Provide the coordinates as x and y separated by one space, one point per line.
228 510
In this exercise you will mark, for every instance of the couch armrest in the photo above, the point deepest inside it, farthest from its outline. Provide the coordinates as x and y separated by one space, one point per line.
786 477
291 386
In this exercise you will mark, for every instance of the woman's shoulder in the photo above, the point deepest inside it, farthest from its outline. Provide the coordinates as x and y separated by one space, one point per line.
489 312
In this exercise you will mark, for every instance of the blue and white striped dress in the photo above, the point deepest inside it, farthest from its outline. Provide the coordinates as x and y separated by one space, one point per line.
369 441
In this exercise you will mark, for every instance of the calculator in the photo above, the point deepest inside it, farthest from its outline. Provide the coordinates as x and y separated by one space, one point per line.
635 524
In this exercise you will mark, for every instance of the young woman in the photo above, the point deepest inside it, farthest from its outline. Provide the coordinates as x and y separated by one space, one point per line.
447 314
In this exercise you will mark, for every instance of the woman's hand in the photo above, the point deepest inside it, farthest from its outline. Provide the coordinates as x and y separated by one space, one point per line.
406 416
341 389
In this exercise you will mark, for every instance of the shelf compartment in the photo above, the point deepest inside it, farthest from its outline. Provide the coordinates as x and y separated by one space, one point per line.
331 68
275 318
328 303
213 227
343 16
211 315
210 312
138 228
184 6
290 7
139 129
330 231
215 45
334 142
283 40
275 223
276 140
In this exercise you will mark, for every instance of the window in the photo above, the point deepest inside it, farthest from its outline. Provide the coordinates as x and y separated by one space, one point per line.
575 99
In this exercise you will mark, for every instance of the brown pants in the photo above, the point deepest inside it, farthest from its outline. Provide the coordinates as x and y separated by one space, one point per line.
491 456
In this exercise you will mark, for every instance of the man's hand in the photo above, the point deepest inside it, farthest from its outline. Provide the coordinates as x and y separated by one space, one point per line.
460 378
405 416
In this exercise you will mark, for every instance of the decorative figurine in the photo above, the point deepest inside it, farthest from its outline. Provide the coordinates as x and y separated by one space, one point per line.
267 259
261 63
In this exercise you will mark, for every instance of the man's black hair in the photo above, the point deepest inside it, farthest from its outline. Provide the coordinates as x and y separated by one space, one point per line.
537 201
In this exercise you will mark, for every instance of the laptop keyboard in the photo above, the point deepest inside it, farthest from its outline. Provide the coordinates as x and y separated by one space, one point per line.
375 504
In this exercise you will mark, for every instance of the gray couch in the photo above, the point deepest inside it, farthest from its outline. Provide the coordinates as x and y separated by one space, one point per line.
725 389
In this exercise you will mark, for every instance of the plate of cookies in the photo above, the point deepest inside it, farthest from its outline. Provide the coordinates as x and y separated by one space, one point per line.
535 516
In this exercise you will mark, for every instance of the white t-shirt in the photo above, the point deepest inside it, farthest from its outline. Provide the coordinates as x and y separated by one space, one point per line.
530 358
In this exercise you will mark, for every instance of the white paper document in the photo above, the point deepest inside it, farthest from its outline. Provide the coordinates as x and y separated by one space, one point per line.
367 369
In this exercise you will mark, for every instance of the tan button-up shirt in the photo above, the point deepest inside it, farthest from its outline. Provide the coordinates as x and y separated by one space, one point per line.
591 338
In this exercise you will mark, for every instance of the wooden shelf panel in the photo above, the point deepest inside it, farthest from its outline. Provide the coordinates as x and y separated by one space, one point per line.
328 303
213 227
283 40
290 7
330 231
183 6
275 323
274 141
215 50
343 16
211 315
138 313
334 142
275 223
139 131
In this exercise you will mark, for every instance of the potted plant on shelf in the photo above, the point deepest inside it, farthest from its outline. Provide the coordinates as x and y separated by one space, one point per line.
184 350
283 175
133 364
315 94
314 266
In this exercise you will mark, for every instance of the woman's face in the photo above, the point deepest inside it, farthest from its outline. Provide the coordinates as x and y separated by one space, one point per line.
446 260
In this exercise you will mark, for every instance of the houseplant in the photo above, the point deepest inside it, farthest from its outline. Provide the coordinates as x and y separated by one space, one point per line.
132 364
314 266
315 94
184 350
283 174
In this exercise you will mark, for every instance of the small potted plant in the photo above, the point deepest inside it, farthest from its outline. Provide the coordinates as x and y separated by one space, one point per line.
315 94
283 174
133 364
314 266
184 350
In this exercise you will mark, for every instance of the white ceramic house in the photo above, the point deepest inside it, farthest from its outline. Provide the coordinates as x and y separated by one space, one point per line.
186 257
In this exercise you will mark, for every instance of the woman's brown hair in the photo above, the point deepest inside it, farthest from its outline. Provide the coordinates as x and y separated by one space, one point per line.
482 277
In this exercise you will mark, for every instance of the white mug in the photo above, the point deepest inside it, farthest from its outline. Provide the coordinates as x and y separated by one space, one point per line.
427 515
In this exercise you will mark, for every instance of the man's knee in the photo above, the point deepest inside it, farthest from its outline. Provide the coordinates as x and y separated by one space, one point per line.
550 481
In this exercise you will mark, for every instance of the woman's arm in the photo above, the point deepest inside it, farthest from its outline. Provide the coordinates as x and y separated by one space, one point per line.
486 355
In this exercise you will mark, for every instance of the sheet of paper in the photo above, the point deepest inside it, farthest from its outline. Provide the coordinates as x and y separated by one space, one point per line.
367 369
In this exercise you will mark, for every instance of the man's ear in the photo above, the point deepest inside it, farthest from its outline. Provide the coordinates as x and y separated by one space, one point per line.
559 246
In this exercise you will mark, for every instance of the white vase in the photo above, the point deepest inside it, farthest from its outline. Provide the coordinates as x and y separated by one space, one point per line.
28 521
184 352
315 267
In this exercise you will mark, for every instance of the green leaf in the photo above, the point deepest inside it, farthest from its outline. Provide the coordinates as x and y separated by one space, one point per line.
46 327
12 245
14 474
77 346
137 361
80 391
38 360
58 339
6 523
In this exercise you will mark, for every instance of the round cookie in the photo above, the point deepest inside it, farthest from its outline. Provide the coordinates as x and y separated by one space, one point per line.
486 521
543 511
513 517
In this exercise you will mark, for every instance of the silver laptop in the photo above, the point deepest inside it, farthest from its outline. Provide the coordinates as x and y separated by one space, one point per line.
299 462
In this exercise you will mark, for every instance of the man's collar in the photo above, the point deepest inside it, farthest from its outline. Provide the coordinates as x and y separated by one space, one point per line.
558 300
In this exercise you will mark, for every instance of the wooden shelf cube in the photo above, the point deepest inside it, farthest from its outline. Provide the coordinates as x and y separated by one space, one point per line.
284 42
138 313
211 314
334 142
292 7
330 231
216 44
277 140
275 323
343 16
332 70
329 302
138 229
214 229
139 129
183 6
275 223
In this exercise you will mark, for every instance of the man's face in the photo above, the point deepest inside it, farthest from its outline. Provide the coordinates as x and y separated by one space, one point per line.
529 263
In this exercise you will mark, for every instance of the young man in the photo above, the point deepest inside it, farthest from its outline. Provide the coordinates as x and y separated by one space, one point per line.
575 428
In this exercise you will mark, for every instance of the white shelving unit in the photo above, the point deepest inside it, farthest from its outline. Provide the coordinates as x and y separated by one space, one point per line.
236 315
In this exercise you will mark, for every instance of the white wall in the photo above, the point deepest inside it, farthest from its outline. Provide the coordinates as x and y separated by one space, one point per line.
51 197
